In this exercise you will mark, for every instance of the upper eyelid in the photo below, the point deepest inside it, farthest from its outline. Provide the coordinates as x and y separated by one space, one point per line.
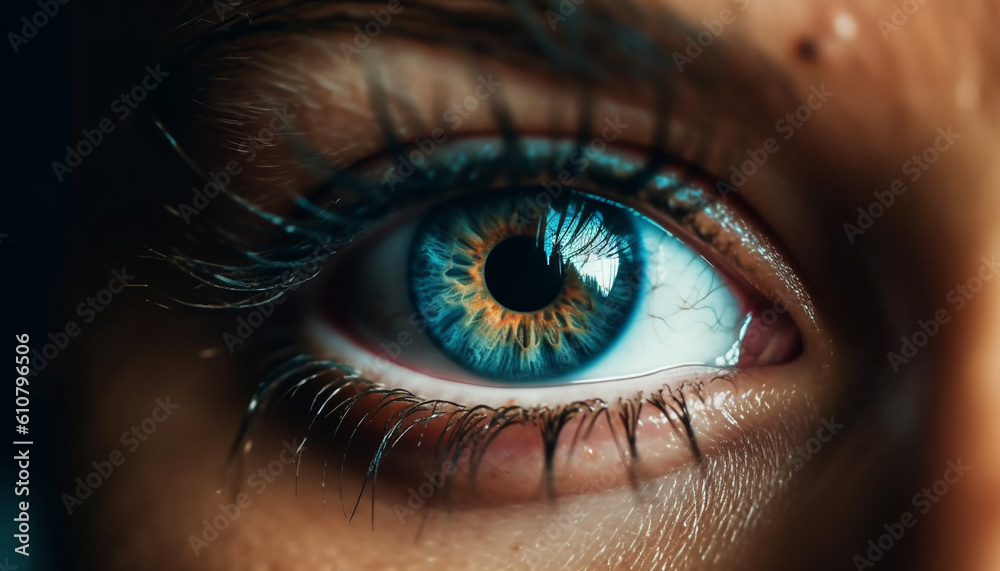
318 142
730 65
260 280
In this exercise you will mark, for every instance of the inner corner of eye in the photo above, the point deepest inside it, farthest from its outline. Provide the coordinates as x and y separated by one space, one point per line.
501 289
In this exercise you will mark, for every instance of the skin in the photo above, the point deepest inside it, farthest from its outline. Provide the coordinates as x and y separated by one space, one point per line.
747 506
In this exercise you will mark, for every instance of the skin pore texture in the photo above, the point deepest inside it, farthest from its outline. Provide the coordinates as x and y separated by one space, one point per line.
756 500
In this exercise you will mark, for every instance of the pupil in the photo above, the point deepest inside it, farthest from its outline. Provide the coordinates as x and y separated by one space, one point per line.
519 276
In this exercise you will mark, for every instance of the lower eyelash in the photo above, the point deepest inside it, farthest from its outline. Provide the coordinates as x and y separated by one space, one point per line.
343 392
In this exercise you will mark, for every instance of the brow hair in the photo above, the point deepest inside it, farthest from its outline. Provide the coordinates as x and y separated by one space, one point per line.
600 40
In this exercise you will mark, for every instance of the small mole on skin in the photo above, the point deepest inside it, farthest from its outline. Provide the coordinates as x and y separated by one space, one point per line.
807 50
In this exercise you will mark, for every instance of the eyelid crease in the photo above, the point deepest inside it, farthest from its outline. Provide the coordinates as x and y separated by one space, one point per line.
272 51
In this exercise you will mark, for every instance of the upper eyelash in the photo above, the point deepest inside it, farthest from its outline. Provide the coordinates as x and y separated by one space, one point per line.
263 248
470 430
270 246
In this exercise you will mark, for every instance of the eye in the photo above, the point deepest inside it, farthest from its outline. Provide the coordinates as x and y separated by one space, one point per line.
543 285
534 300
533 303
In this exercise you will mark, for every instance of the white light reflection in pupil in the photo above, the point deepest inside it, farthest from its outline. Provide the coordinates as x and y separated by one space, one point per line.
589 248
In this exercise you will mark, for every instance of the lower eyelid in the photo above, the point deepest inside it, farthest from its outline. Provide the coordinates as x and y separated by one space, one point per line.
497 456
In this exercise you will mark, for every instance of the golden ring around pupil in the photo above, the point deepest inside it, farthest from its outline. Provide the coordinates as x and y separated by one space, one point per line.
494 323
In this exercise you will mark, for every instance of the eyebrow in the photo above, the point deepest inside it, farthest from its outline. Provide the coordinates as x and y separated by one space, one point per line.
613 45
597 40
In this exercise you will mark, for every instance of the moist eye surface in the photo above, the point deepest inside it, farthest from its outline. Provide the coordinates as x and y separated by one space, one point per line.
513 297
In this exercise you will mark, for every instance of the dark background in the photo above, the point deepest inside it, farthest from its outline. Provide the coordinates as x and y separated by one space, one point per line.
62 238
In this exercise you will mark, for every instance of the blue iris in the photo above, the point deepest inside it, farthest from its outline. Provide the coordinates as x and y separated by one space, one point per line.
522 286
